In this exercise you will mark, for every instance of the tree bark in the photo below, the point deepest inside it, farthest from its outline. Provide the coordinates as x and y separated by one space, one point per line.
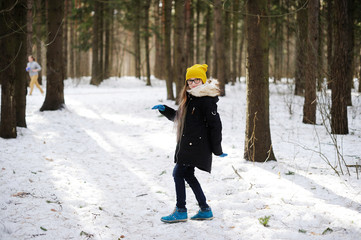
137 38
96 67
65 38
29 31
167 40
189 45
146 39
21 77
241 47
359 78
309 107
101 41
108 24
208 36
29 27
258 144
329 41
159 49
350 50
198 30
39 32
54 99
301 50
278 46
340 67
12 64
220 57
179 61
227 45
235 20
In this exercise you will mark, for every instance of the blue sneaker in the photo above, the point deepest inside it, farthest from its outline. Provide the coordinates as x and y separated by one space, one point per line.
203 214
178 215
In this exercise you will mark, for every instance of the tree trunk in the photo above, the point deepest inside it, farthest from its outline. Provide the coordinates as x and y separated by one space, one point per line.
146 39
167 36
137 38
40 35
208 36
220 57
350 50
359 78
108 23
189 54
101 41
329 41
235 20
96 67
301 50
258 144
278 48
12 77
65 38
309 107
340 66
227 45
159 49
22 77
288 33
241 47
198 30
320 52
29 31
54 99
29 27
72 44
179 61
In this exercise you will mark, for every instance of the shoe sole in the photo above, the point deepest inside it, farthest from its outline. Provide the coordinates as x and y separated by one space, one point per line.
202 219
174 221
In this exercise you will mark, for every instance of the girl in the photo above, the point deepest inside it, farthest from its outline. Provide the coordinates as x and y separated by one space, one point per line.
33 68
199 134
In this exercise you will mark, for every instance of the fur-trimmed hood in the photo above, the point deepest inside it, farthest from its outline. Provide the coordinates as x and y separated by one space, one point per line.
210 88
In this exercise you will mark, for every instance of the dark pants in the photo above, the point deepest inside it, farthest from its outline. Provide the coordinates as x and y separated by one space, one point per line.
181 173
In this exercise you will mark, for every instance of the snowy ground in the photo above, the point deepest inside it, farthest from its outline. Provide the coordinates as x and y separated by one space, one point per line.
101 169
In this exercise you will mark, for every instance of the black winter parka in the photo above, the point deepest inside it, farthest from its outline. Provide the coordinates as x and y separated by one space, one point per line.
202 132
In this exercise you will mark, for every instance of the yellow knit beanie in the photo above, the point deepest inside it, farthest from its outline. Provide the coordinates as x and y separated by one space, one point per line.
197 71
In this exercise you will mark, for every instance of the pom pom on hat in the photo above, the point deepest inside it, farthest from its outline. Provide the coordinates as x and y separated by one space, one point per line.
197 71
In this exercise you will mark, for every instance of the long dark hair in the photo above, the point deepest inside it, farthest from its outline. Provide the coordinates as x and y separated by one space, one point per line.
182 111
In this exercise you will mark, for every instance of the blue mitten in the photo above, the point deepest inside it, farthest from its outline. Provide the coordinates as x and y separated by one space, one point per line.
159 107
27 69
223 155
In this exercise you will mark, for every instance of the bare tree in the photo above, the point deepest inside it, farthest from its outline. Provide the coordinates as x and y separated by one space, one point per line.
301 51
258 144
179 60
146 39
341 65
54 99
220 57
12 63
309 107
235 20
167 44
96 78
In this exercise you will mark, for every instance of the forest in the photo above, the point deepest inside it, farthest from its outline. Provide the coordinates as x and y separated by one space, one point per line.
86 157
313 44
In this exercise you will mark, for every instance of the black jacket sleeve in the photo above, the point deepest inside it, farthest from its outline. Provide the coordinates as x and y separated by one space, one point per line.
169 113
214 125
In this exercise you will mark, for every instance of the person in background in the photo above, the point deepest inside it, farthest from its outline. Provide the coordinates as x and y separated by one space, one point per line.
199 134
33 68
